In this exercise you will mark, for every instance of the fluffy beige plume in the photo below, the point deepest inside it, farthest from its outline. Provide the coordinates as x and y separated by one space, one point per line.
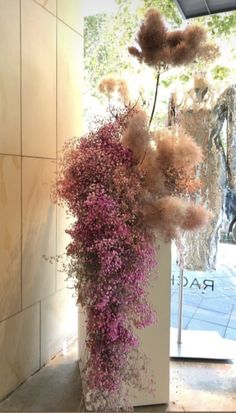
169 215
158 46
200 80
137 136
170 167
196 217
109 85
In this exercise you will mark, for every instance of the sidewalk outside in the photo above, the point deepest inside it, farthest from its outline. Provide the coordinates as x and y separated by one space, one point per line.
209 297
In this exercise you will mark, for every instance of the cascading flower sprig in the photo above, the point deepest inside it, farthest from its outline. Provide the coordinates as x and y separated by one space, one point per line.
102 186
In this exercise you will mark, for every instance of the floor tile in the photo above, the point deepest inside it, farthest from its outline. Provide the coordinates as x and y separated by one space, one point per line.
218 305
174 321
194 386
204 325
212 316
230 333
55 388
232 321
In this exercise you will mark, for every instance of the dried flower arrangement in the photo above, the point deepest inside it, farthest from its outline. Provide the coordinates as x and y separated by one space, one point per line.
158 46
123 183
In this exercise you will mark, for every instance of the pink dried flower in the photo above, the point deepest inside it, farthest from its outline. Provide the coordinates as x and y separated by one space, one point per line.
111 249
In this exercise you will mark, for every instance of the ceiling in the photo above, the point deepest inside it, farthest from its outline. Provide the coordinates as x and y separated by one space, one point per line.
195 8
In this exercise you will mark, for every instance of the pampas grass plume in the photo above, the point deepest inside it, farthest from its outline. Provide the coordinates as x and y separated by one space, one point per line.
177 151
187 152
137 136
200 81
170 214
158 46
196 216
109 85
166 215
123 90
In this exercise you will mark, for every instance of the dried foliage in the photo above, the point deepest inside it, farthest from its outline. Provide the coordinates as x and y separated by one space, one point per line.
158 46
171 214
137 136
109 85
169 172
200 81
169 166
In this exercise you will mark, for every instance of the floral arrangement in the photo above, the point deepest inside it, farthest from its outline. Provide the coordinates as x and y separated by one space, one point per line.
123 184
157 46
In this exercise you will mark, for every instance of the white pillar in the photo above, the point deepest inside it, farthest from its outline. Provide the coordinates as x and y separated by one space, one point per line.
154 340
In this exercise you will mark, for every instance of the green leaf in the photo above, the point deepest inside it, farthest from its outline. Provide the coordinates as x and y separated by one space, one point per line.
220 72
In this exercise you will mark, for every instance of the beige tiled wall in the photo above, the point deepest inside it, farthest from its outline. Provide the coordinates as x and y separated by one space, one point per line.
70 12
10 235
50 5
10 142
69 77
38 231
41 45
20 348
38 31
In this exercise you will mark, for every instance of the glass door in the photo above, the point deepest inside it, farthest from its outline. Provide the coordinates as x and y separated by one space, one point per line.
206 326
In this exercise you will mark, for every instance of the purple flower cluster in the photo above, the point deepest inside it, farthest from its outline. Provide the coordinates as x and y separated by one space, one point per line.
111 250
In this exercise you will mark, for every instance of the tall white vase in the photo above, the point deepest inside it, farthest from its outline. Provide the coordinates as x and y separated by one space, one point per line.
155 340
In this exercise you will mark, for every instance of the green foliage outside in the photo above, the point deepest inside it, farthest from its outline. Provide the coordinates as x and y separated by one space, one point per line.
220 72
105 43
106 38
220 24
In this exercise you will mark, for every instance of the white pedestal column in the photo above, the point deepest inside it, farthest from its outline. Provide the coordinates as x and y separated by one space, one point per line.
155 340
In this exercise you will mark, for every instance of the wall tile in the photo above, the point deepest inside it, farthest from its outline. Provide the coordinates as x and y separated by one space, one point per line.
10 235
19 348
70 60
63 239
58 321
38 81
71 12
49 5
10 77
39 230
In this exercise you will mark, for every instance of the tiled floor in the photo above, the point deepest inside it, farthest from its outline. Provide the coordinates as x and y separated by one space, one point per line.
209 297
194 386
